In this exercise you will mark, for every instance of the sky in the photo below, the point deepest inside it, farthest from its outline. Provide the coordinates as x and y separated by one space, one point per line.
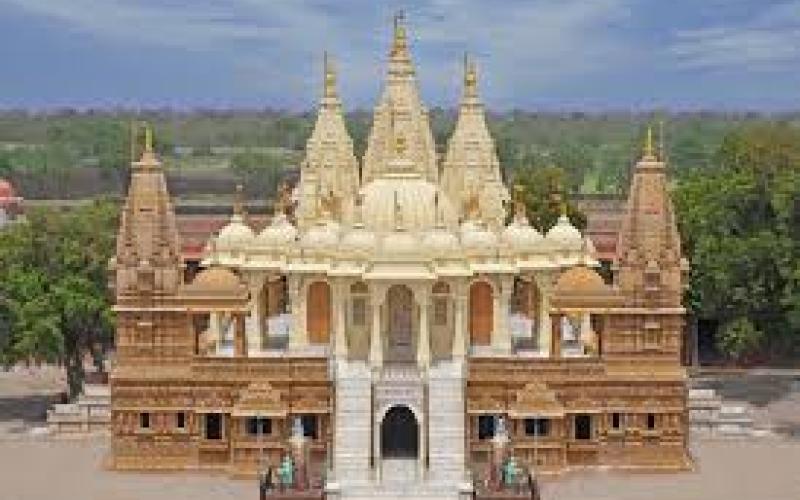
590 55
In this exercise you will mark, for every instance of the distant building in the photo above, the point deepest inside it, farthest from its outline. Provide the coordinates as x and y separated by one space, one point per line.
10 203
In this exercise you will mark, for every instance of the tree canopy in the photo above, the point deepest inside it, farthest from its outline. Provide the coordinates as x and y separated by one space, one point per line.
54 302
740 223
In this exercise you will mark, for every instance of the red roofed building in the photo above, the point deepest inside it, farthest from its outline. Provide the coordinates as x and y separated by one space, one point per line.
10 203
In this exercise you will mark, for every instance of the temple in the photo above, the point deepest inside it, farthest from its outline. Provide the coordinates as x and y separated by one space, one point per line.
403 328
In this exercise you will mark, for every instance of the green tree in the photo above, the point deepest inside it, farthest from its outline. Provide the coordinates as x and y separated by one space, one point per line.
738 221
54 302
541 184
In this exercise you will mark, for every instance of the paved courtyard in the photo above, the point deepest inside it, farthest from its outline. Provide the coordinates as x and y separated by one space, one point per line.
43 467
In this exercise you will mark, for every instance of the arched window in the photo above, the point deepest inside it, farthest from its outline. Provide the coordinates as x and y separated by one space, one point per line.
481 313
318 313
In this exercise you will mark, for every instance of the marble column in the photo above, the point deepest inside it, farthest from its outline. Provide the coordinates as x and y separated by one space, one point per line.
298 338
215 327
239 336
339 306
555 341
545 325
375 344
459 337
501 337
424 347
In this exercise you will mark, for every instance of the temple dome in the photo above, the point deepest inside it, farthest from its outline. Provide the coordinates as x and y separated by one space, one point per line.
580 280
281 232
521 236
407 197
235 235
216 279
564 235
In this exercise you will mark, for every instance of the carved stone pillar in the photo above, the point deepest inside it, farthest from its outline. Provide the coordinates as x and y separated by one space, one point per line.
501 337
424 347
339 303
459 337
239 336
298 337
545 325
215 326
555 347
375 343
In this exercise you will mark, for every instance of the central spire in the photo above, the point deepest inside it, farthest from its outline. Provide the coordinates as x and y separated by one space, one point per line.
399 56
400 112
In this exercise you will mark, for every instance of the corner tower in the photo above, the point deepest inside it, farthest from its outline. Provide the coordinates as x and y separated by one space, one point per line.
400 114
147 270
471 164
649 268
330 166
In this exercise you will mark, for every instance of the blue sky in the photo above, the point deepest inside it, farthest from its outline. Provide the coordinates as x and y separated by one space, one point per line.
532 54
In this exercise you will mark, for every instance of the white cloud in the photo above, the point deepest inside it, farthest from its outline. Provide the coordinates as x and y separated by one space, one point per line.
768 41
522 46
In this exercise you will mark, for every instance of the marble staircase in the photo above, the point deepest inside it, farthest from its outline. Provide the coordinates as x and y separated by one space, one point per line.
356 388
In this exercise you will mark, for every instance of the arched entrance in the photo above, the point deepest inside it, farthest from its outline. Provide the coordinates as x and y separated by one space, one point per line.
399 433
481 313
400 338
318 313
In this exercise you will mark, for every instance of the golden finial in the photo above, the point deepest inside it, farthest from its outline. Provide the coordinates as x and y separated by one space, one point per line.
519 202
330 76
560 200
133 130
648 144
148 138
238 201
661 151
399 39
470 77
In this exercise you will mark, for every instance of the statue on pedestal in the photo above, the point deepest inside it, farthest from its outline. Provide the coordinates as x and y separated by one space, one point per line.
299 448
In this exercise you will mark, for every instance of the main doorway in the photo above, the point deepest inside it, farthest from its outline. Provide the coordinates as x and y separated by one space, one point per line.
400 341
399 434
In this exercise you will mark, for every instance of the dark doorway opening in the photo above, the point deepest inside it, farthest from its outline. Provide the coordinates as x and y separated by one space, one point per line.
583 426
399 434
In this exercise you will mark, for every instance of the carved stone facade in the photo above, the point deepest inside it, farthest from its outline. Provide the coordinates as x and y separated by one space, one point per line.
398 319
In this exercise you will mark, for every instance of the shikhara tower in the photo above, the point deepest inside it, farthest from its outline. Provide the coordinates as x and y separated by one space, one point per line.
397 319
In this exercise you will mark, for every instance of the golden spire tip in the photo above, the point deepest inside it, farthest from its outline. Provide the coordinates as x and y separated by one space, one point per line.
648 145
148 138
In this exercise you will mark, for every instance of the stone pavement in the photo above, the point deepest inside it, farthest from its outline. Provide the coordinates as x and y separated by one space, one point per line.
38 468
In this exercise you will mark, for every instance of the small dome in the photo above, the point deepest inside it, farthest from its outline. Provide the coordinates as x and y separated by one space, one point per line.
235 235
216 279
400 243
564 235
323 235
440 242
582 280
281 232
522 237
359 240
475 237
414 198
